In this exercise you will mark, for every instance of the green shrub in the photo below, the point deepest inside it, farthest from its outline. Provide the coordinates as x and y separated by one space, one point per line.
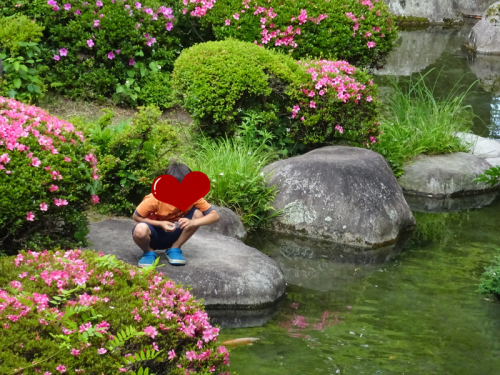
131 155
157 90
93 49
47 177
234 167
18 29
490 280
415 122
79 312
334 29
308 103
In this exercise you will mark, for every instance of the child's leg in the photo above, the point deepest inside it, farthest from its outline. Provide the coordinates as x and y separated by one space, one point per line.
187 233
142 236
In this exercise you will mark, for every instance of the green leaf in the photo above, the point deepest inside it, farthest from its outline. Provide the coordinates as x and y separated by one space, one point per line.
31 87
17 83
119 89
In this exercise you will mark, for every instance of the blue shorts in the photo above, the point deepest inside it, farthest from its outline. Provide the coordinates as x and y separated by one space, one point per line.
164 240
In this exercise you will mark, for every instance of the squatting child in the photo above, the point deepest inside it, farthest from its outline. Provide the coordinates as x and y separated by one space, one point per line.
156 228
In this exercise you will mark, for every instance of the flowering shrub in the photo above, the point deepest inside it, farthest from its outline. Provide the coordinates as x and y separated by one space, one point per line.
337 103
78 312
104 47
317 102
359 31
47 176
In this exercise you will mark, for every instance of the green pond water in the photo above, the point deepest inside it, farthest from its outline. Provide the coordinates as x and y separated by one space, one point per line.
418 313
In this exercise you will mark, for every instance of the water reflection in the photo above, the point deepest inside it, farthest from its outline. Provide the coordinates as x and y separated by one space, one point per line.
441 50
434 205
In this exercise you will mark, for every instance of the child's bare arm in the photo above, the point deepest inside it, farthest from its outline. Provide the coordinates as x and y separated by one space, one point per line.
208 219
166 225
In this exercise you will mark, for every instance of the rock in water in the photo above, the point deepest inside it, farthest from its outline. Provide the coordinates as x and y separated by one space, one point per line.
443 176
485 35
222 270
340 194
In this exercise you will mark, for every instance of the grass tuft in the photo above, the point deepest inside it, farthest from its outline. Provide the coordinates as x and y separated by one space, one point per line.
415 122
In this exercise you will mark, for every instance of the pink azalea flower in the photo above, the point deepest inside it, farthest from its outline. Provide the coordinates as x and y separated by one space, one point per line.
75 352
90 43
43 206
369 99
370 44
98 3
95 199
236 16
63 51
111 55
67 160
131 62
60 202
77 12
169 26
96 23
312 104
53 188
67 6
61 368
101 351
150 331
52 3
227 22
138 5
118 51
339 128
56 57
171 354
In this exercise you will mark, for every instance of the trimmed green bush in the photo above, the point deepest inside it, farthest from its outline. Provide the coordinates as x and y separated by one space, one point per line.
18 29
310 103
48 176
78 312
359 31
131 155
157 90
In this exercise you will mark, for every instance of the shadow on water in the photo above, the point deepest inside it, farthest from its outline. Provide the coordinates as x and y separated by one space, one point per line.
418 313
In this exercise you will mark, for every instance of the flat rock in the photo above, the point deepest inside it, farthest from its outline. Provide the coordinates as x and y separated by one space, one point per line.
339 194
436 11
442 176
421 203
485 148
485 35
222 270
229 224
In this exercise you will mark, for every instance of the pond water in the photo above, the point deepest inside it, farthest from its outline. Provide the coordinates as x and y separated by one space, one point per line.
441 51
419 313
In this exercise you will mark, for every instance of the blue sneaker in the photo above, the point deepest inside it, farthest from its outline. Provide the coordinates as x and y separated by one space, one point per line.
174 257
148 259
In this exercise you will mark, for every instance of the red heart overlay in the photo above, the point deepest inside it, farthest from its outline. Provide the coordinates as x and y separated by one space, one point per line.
194 186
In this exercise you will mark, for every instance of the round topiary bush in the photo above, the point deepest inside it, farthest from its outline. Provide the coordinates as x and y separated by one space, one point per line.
359 31
77 312
48 176
310 103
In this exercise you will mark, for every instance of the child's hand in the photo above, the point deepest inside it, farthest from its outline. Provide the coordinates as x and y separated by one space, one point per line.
187 224
167 226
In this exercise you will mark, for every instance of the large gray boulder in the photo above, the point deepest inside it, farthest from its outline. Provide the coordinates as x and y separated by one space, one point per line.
222 270
436 11
485 35
442 176
229 224
340 194
473 7
485 67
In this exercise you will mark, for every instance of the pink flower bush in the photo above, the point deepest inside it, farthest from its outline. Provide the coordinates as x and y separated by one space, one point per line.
36 144
172 320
